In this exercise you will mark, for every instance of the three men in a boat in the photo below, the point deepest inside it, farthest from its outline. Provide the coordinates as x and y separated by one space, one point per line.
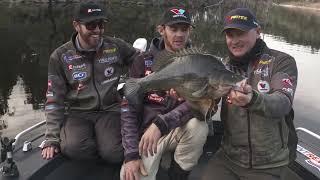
88 120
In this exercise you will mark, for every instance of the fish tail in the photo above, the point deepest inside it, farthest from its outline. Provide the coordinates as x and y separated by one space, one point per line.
132 91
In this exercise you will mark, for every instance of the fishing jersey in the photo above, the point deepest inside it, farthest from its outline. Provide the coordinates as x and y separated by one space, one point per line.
84 80
158 107
261 134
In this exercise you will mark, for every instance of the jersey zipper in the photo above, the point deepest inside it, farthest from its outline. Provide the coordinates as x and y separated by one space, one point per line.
94 84
249 139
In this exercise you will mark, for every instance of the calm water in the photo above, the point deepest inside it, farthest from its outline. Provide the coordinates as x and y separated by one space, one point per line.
29 33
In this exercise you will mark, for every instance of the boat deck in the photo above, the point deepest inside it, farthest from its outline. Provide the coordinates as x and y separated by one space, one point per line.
32 166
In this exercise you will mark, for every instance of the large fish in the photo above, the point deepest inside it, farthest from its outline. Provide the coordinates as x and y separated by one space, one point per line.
198 77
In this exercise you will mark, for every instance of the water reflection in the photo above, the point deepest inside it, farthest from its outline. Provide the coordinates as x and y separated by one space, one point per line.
296 26
29 34
20 113
306 97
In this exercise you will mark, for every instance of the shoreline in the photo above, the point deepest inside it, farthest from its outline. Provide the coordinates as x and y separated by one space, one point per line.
304 6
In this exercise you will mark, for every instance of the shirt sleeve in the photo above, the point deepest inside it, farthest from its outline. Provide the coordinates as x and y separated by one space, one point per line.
129 117
54 106
283 85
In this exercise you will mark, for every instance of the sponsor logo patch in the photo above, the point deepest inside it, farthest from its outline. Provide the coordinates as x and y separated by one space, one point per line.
263 86
49 83
313 160
81 66
264 62
49 94
109 71
68 59
49 90
148 63
263 71
124 109
111 50
51 107
287 82
109 80
109 60
93 10
147 72
79 75
289 90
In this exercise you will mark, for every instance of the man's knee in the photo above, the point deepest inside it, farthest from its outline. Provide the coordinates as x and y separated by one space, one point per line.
79 150
197 131
112 154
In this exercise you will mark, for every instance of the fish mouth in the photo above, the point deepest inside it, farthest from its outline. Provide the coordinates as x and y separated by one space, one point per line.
212 109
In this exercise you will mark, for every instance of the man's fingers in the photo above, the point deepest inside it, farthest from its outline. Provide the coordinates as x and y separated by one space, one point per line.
145 148
141 143
154 147
124 174
247 89
51 151
43 153
136 176
232 94
172 92
143 169
150 147
47 153
128 175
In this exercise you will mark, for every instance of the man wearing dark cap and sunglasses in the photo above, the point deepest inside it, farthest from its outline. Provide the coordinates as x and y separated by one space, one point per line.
164 123
259 136
82 107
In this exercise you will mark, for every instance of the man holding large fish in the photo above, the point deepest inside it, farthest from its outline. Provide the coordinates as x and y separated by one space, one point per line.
155 121
259 136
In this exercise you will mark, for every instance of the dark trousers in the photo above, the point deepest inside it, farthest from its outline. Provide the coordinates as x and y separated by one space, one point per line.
221 168
92 136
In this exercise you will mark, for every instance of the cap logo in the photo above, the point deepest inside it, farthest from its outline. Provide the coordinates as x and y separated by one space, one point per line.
93 10
239 17
228 19
178 11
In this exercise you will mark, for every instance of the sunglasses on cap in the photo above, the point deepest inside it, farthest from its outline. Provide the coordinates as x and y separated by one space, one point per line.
92 25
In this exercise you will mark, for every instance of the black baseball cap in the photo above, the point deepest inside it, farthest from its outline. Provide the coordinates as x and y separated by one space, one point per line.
176 15
90 11
240 18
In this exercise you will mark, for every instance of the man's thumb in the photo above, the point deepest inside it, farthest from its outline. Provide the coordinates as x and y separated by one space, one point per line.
143 170
56 150
247 89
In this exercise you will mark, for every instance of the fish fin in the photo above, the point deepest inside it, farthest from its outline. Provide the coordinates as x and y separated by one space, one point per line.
132 91
164 58
200 93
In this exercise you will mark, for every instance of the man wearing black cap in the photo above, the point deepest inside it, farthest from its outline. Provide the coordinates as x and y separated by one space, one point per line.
82 107
259 136
165 122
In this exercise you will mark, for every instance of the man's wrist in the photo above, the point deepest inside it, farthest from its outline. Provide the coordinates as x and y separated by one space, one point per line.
253 99
159 122
131 157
